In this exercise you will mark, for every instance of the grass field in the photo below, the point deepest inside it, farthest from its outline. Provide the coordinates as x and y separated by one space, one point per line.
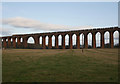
35 65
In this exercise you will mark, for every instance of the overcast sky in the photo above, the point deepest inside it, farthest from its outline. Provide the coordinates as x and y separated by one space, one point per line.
34 17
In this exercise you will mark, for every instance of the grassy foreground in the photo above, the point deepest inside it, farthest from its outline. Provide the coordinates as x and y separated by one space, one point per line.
35 65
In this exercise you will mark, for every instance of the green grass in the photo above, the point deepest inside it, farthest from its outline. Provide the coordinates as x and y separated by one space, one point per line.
35 65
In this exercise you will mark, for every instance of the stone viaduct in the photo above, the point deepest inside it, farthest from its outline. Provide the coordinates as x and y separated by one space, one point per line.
7 42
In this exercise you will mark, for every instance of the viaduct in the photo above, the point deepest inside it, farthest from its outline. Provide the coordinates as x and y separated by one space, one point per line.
16 39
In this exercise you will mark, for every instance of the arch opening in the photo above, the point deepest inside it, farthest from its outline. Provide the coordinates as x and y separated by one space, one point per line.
67 41
89 39
21 39
11 39
30 40
46 41
15 39
74 40
53 40
107 39
98 39
40 40
60 41
116 39
82 40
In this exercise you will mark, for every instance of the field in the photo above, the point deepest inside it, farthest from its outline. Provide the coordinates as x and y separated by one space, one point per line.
36 65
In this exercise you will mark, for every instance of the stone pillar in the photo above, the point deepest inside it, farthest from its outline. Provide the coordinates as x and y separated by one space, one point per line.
86 41
102 39
14 42
78 41
56 41
36 38
94 41
18 42
43 42
4 43
70 41
50 41
9 42
25 42
63 41
111 39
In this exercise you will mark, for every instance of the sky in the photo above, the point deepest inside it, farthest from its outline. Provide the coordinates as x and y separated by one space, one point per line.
37 17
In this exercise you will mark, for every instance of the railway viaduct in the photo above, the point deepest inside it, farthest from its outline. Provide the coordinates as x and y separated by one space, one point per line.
16 39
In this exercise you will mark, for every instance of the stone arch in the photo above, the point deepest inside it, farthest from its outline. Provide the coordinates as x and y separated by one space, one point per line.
53 40
74 40
15 39
59 40
21 39
107 39
11 40
98 39
89 39
116 38
40 40
66 40
30 40
46 40
82 36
